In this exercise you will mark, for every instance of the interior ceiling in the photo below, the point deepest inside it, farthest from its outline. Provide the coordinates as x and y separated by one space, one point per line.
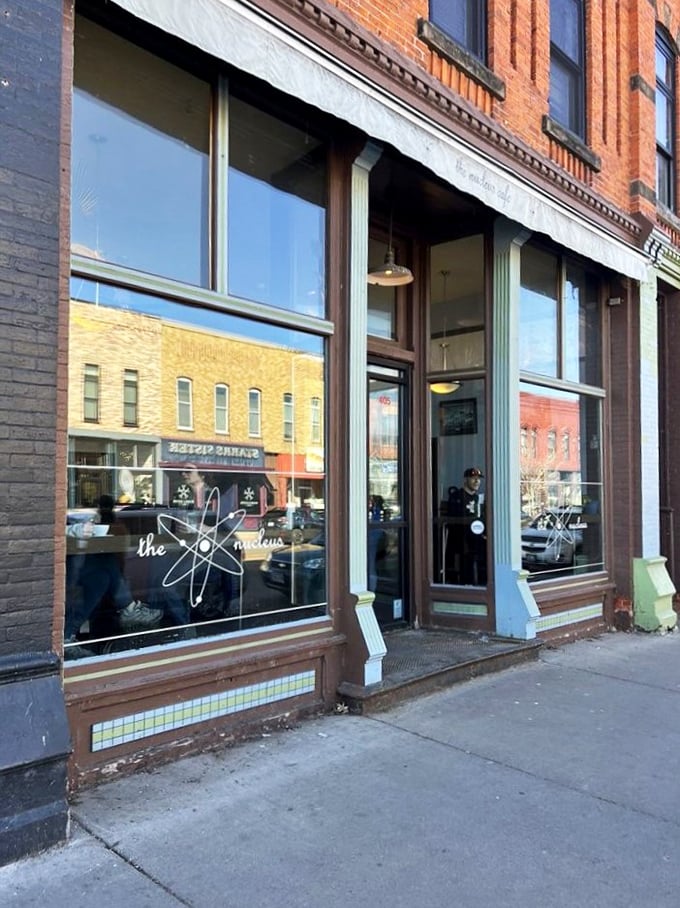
426 209
421 204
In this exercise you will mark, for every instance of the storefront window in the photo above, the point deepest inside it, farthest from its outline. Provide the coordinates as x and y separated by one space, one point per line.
196 501
460 507
172 537
458 412
140 171
561 484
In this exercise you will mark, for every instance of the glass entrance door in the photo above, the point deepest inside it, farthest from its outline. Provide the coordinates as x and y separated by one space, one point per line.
388 512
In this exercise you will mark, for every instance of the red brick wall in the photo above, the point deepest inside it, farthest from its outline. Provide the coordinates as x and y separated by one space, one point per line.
619 48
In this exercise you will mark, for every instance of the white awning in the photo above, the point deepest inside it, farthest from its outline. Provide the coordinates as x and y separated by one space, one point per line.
246 39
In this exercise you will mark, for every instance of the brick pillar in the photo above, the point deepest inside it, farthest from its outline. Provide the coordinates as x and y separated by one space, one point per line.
34 743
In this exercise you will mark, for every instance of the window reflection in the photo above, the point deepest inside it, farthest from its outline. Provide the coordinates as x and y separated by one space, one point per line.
538 339
277 196
178 534
140 170
561 487
582 335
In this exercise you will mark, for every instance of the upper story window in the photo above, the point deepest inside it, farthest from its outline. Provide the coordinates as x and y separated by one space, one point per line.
91 393
567 65
665 121
464 21
130 397
184 404
254 413
288 416
221 409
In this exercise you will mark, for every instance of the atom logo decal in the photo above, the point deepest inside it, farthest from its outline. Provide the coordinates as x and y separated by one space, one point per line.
205 548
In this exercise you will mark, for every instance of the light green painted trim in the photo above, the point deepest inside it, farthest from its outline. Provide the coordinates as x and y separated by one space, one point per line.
475 609
571 616
649 419
373 638
92 269
165 658
653 593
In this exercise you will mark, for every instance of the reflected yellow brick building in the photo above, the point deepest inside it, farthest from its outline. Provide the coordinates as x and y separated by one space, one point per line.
109 347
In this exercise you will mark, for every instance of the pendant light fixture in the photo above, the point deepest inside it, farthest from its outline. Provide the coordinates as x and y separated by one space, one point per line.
444 387
389 274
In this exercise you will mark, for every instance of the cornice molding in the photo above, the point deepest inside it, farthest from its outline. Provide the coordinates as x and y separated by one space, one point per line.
335 33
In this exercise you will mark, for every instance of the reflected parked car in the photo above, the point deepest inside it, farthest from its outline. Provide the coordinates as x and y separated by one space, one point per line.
298 571
291 525
550 540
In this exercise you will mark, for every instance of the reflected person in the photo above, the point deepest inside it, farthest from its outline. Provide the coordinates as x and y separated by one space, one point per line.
466 549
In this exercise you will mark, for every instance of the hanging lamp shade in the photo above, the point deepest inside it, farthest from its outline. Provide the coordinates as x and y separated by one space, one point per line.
389 274
444 387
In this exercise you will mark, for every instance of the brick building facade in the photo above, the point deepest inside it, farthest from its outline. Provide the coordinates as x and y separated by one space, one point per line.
198 326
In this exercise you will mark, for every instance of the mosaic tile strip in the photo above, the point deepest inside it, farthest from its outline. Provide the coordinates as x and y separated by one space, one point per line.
150 722
477 609
587 613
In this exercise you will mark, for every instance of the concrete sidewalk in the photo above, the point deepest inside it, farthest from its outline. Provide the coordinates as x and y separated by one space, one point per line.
553 783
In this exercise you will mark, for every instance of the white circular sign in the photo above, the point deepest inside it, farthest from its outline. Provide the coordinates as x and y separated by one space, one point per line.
477 527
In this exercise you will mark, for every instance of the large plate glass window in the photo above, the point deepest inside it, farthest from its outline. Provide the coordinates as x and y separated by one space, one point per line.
561 401
458 413
197 508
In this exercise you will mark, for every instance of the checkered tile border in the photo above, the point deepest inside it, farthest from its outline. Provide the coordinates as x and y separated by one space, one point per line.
150 722
587 613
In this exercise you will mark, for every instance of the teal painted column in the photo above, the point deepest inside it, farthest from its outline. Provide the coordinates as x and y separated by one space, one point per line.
516 609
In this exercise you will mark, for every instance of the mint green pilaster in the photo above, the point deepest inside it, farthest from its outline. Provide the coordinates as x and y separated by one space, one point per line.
653 588
358 552
516 609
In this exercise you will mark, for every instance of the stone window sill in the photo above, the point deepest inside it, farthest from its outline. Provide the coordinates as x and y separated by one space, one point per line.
446 47
572 143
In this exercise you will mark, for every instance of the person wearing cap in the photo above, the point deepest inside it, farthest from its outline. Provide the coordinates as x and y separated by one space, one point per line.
466 550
